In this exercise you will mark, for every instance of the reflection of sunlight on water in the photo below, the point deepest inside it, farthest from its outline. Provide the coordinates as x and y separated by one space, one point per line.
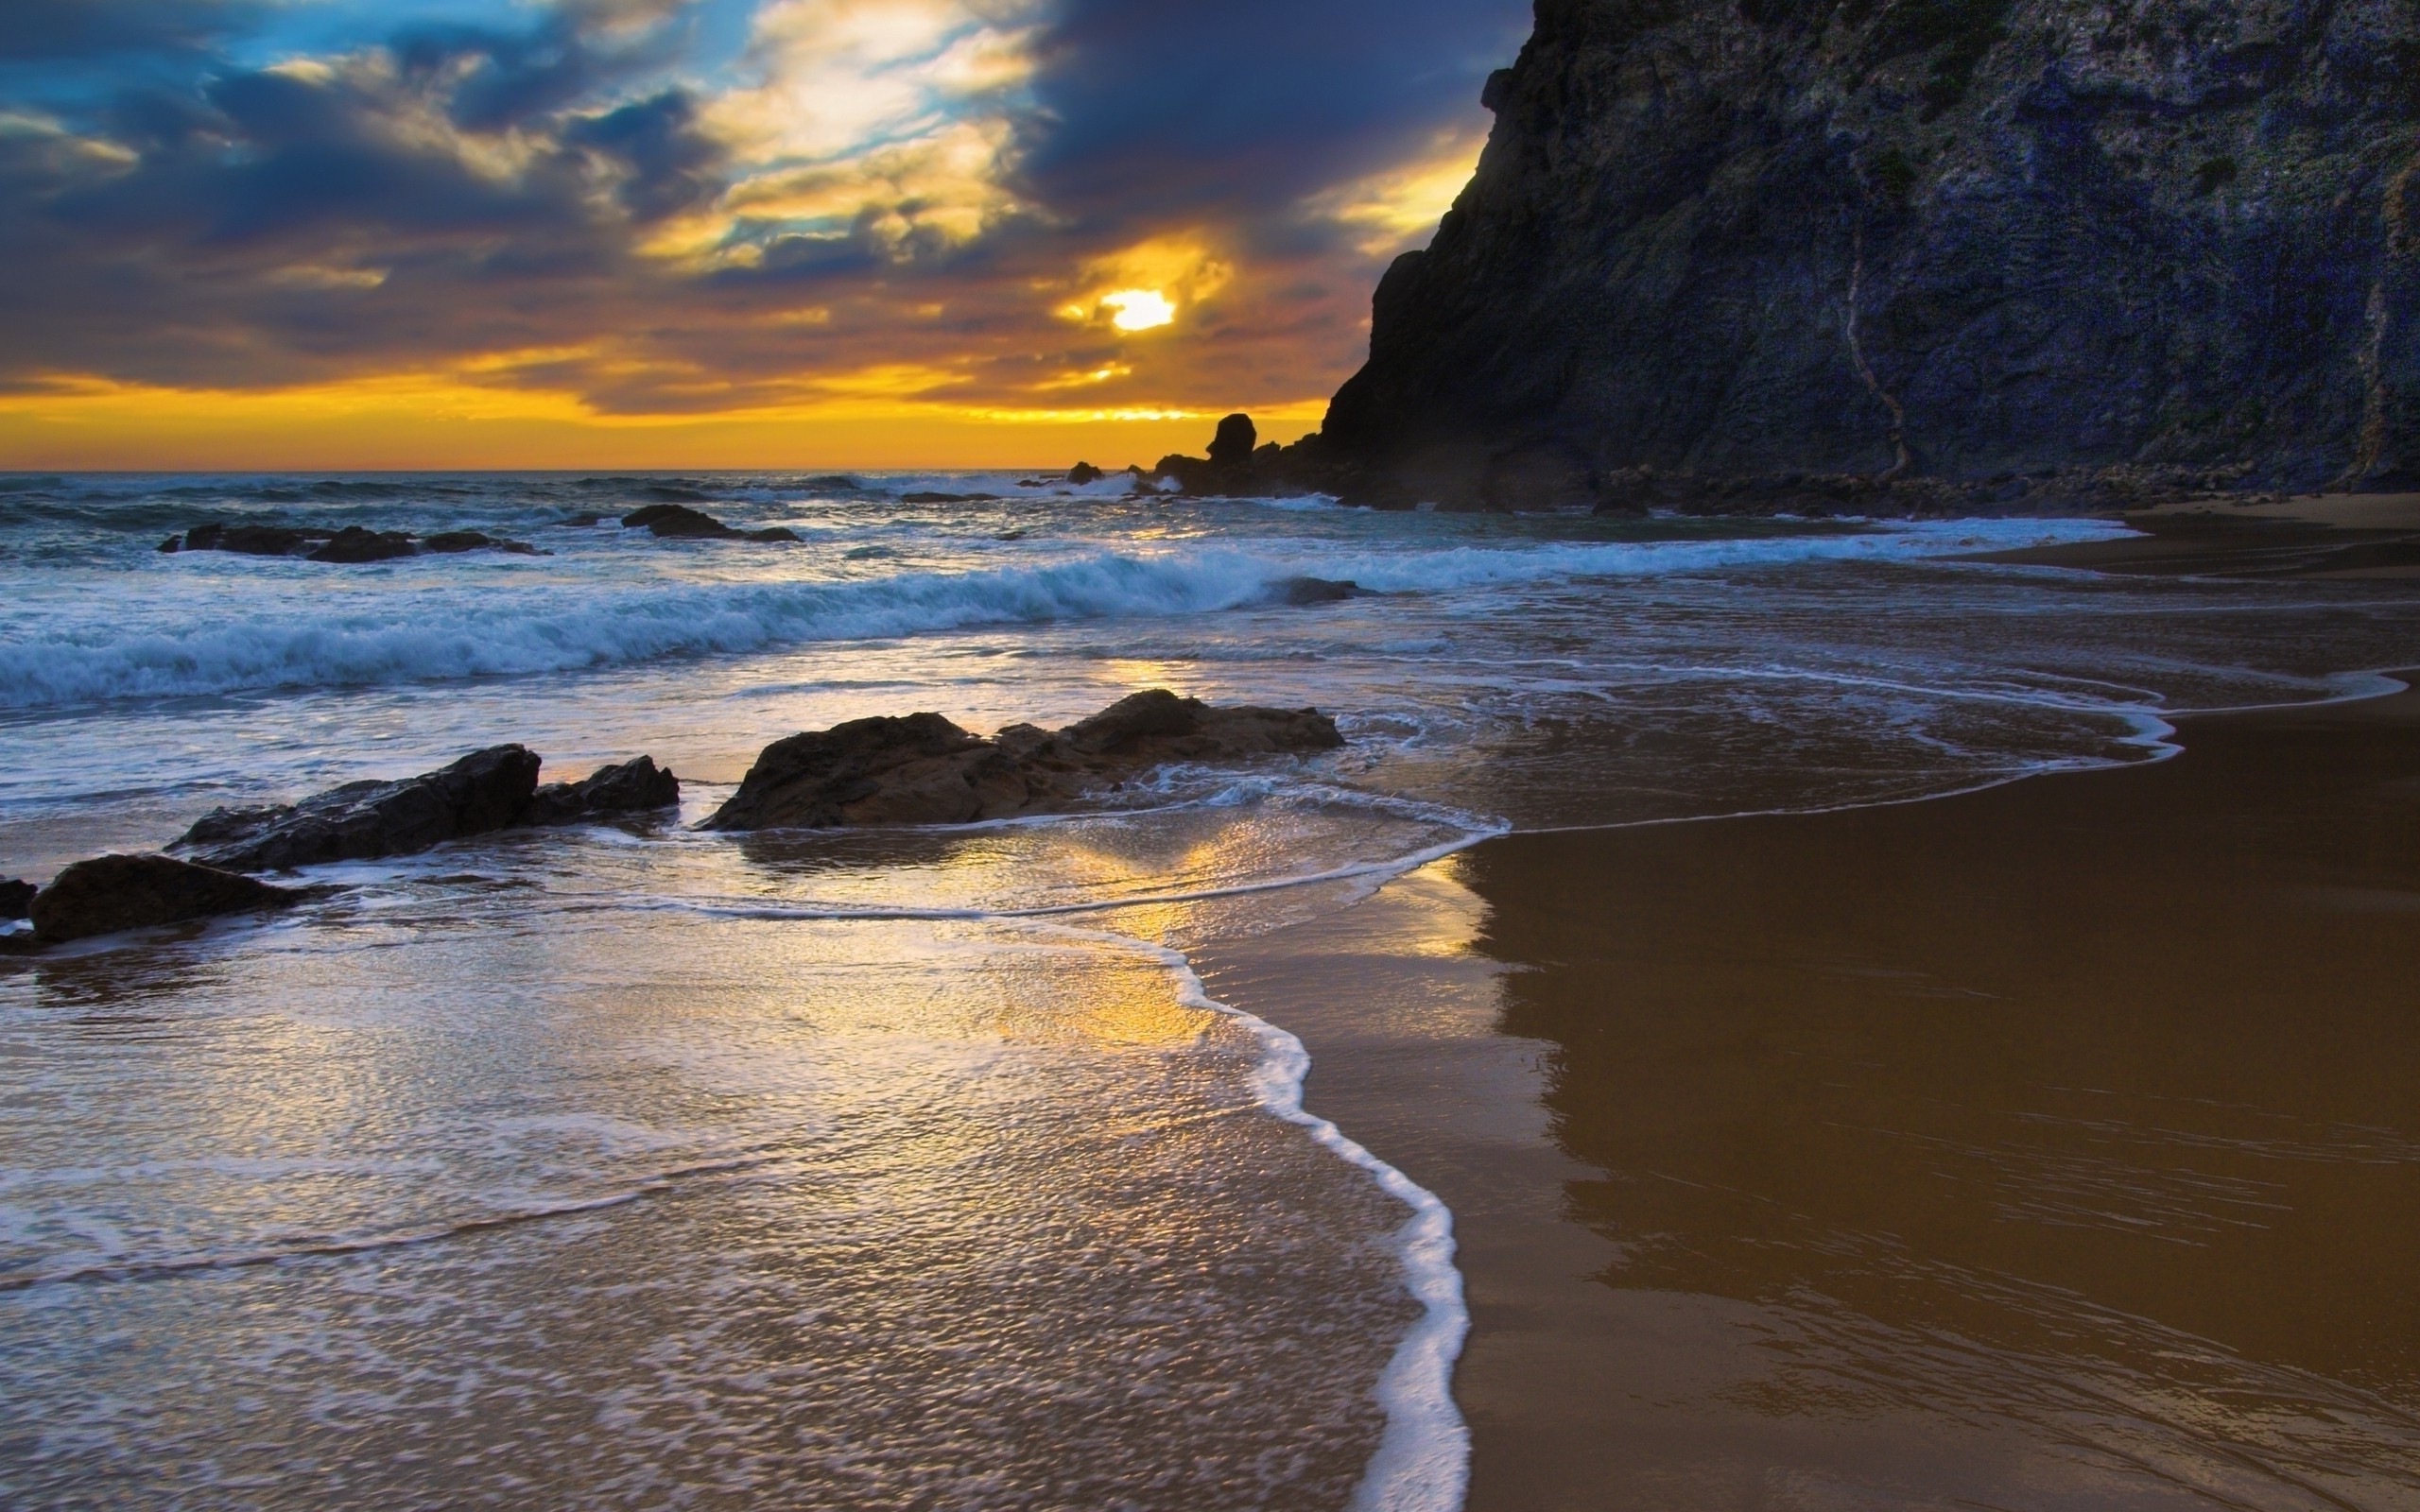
993 1222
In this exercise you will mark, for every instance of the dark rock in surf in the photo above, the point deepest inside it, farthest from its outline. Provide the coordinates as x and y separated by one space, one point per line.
111 893
923 769
484 791
172 544
1298 593
446 542
354 544
632 787
1083 472
832 480
674 522
15 897
253 540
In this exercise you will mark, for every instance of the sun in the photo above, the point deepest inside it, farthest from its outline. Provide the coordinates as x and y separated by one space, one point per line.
1138 309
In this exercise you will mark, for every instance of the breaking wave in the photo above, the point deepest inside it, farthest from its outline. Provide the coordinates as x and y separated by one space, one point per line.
200 638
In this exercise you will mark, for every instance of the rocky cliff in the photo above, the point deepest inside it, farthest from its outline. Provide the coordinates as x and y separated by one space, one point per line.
1982 246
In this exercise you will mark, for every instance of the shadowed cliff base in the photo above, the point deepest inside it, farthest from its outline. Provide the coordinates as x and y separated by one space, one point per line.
1936 249
2047 1147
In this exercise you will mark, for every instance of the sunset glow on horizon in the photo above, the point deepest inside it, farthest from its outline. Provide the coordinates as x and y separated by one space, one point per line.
705 232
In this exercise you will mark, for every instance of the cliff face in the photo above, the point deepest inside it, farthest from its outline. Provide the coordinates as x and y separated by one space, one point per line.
1987 241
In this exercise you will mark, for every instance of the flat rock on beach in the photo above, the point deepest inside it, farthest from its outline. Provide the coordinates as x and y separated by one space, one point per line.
108 894
923 769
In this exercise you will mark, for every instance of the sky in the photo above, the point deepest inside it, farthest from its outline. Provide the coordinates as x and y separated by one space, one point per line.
687 233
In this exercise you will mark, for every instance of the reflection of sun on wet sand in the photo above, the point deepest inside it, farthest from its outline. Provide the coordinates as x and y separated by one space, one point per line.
2054 1145
2334 535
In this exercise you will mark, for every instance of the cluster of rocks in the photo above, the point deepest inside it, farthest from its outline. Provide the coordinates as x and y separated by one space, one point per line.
356 543
923 769
353 544
1237 467
920 769
484 792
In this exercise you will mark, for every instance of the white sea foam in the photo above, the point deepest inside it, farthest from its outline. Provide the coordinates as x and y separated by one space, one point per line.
215 636
1422 1460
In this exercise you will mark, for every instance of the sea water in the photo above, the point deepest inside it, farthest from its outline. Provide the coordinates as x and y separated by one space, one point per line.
638 1166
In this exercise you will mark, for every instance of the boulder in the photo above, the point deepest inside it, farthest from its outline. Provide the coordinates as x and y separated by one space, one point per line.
923 769
1148 729
773 533
1083 472
632 787
486 790
110 893
355 544
15 897
674 522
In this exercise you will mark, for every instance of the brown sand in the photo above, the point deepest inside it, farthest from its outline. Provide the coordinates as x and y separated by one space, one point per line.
2335 535
2052 1146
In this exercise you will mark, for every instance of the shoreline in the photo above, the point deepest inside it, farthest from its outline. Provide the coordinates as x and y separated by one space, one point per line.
1601 1366
2337 537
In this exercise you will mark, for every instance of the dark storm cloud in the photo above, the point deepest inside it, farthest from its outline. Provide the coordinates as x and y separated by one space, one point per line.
1237 104
669 164
52 30
517 76
299 164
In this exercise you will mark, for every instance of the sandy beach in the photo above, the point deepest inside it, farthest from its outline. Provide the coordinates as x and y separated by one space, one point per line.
2052 1146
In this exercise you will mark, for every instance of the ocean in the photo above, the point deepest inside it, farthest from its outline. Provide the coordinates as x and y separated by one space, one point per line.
639 1166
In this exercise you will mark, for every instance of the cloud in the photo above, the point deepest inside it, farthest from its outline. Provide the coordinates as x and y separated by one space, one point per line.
992 204
35 31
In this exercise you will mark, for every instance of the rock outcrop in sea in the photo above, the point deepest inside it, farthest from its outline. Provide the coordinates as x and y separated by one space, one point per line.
923 769
1911 253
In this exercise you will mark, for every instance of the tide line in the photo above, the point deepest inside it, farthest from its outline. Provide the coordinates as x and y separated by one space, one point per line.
1422 1460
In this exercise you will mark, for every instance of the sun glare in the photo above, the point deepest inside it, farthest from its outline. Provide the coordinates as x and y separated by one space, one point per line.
1138 309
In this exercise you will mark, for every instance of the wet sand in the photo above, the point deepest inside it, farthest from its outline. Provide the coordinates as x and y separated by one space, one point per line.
2052 1146
2344 535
